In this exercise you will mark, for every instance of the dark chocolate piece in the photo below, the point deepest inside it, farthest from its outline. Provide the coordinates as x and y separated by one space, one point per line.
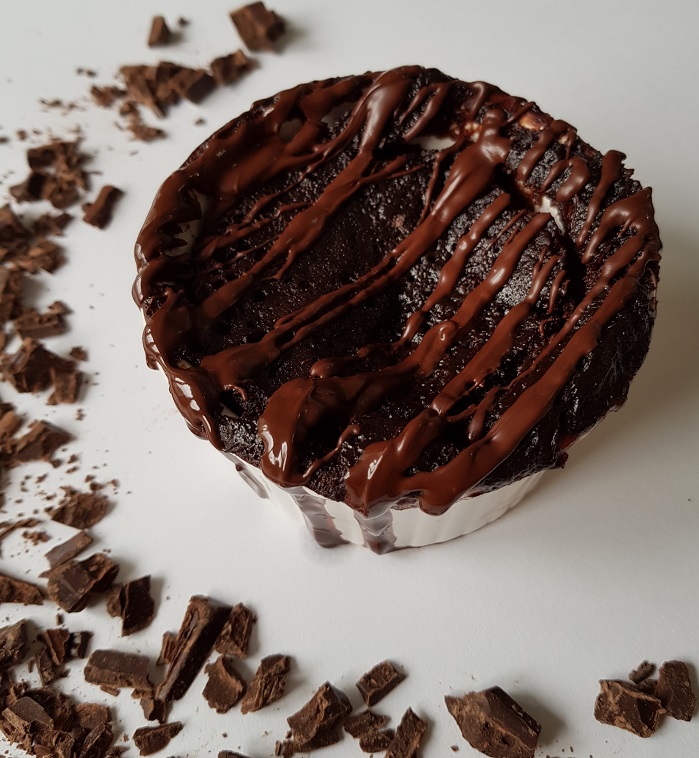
379 681
197 635
258 27
160 33
227 68
674 690
114 669
57 643
66 385
48 670
74 583
17 591
360 723
268 684
14 235
78 644
225 686
625 706
408 736
43 255
29 369
137 605
31 323
99 212
167 648
80 510
52 224
322 714
152 739
193 84
106 96
13 645
495 724
67 550
40 442
10 292
113 601
235 635
376 740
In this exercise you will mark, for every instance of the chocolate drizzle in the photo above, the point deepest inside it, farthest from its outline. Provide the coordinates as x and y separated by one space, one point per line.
517 302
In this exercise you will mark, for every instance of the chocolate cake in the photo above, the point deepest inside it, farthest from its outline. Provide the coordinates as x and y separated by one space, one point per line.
397 291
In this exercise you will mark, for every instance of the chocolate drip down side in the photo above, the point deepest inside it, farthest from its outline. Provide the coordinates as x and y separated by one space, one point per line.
397 284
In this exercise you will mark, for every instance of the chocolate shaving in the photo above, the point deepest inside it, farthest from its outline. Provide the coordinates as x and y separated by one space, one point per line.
160 33
674 690
99 213
360 723
80 510
225 686
227 68
258 27
377 740
408 736
68 549
379 681
152 739
268 684
235 636
16 591
13 645
625 706
73 584
114 669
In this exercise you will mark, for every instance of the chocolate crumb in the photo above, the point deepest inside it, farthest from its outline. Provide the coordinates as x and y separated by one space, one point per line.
235 635
409 734
152 739
72 584
379 681
225 686
377 740
78 353
114 669
80 510
16 591
258 27
495 724
360 723
160 33
99 213
268 684
68 549
625 706
674 689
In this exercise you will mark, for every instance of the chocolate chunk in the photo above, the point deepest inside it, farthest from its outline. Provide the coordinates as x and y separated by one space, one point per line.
9 423
78 353
31 323
31 189
228 68
268 684
78 644
167 648
57 643
66 386
377 740
80 510
114 669
113 601
641 672
51 224
321 714
193 84
10 292
225 685
14 235
99 213
29 369
197 635
153 710
40 442
22 719
625 706
360 723
13 645
152 739
674 690
43 255
106 96
68 549
379 681
47 668
73 584
258 27
16 591
137 605
235 636
409 734
160 33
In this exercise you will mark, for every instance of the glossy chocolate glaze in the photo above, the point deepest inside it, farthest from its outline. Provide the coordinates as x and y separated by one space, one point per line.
357 310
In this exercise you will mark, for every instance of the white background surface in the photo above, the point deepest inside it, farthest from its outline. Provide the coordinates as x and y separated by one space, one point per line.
593 573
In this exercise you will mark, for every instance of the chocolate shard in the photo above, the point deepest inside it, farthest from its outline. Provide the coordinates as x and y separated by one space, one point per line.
57 643
13 645
73 584
78 644
16 591
26 715
31 189
51 224
227 68
268 684
495 724
113 601
40 442
137 605
321 714
116 670
225 686
66 385
29 369
99 213
408 736
674 690
43 255
14 235
377 740
641 672
193 84
31 323
80 510
625 706
152 739
235 635
258 27
69 549
197 635
153 710
48 670
358 724
167 648
379 681
160 33
10 292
